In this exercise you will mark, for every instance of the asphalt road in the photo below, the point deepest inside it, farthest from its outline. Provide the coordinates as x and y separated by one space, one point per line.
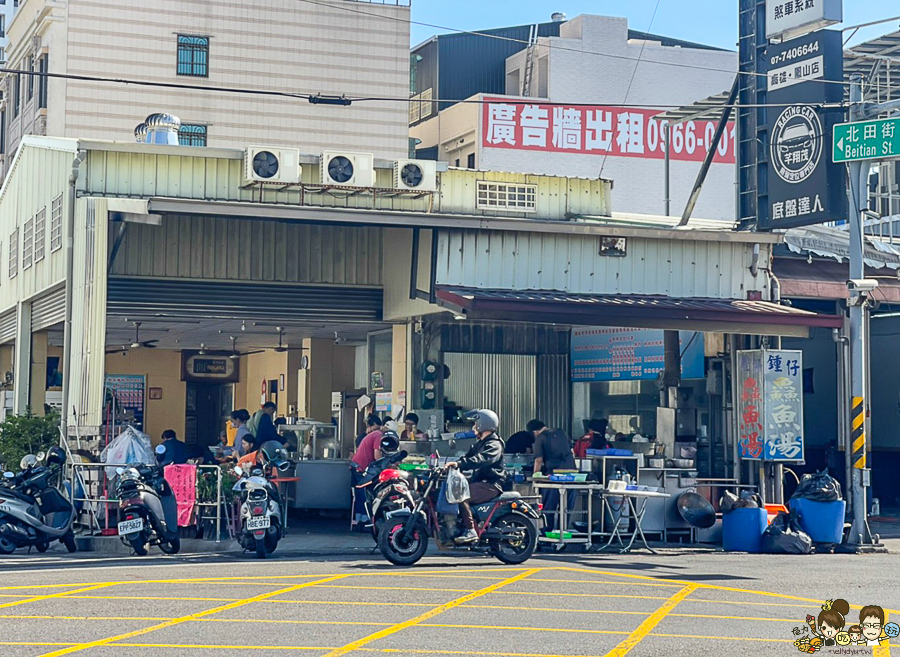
680 602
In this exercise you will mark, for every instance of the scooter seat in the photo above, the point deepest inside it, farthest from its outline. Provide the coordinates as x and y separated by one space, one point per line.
508 495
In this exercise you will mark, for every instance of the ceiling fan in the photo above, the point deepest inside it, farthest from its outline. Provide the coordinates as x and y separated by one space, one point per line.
282 348
137 344
235 354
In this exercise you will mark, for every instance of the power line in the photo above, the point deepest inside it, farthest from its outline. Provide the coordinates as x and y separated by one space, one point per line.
500 37
317 97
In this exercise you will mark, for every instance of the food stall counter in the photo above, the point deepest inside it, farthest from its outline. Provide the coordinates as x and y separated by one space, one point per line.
323 470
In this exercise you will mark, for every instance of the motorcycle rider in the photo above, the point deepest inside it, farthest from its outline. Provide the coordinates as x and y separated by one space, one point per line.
485 460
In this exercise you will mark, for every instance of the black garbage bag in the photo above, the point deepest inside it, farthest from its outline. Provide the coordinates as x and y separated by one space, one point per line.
818 487
726 502
749 500
784 536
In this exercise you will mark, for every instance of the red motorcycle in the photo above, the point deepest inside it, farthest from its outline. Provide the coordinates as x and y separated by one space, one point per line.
387 489
506 527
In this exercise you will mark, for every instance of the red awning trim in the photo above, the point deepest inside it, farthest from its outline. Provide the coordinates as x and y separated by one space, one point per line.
591 309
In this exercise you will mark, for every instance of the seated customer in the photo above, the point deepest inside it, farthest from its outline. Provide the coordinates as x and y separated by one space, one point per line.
411 432
176 451
249 447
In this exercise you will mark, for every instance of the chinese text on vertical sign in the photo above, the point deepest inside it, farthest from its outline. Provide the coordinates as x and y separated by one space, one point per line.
597 130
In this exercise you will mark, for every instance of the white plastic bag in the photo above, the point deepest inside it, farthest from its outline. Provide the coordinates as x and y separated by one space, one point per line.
457 487
130 446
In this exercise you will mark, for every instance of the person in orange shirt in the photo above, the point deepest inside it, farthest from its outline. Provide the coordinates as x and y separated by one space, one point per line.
250 449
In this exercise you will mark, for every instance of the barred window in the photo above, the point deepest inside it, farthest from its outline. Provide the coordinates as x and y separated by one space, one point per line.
192 135
506 196
40 234
193 56
14 253
28 244
56 224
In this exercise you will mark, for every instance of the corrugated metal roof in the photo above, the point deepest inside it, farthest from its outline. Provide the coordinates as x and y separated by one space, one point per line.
662 221
876 60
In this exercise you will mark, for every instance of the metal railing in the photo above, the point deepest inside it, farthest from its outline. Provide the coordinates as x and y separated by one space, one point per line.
83 477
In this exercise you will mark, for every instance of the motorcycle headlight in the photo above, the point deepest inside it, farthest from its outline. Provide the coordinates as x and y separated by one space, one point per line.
257 494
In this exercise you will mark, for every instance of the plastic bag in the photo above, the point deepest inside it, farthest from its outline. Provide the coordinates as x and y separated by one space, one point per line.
784 536
130 446
748 500
443 506
457 487
818 487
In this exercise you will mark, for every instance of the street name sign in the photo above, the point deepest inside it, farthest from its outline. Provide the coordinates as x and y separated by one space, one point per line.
867 140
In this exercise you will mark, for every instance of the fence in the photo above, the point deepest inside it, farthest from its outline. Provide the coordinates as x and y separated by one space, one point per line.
91 486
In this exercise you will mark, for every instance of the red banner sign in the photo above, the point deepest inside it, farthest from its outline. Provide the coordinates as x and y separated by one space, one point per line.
598 130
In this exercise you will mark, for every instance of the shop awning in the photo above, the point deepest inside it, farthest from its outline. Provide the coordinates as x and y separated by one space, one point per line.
715 315
828 280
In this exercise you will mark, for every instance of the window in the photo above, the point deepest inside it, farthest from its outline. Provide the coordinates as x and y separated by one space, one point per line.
28 244
506 196
192 135
470 162
2 132
40 234
43 66
29 83
14 253
193 56
16 81
56 224
2 25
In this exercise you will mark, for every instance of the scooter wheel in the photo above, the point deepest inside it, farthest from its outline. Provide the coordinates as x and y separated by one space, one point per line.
7 546
171 547
139 545
260 548
42 546
69 541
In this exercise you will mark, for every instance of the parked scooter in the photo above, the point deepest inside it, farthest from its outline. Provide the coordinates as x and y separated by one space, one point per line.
148 507
506 527
33 510
387 489
262 513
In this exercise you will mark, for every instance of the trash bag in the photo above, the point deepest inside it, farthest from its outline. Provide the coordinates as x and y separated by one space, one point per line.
443 506
818 487
130 446
784 536
748 500
457 487
726 502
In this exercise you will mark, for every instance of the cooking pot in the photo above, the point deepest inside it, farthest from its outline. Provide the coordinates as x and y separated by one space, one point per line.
696 510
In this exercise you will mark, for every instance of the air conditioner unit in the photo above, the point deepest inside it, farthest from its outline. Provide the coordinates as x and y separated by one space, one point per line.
416 175
272 165
347 169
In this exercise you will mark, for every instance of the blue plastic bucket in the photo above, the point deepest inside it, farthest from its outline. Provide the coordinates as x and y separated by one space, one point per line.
823 521
742 530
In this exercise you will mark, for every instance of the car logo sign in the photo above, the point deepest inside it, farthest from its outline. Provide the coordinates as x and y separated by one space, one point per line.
796 147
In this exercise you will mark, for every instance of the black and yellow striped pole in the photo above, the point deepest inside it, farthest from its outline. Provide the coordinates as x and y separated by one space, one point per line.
858 433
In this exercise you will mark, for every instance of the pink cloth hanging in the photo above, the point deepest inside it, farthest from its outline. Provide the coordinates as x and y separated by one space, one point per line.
183 480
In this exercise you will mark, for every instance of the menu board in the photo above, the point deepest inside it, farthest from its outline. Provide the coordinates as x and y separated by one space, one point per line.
128 390
615 354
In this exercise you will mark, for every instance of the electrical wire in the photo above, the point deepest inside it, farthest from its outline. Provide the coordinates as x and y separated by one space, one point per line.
306 95
550 45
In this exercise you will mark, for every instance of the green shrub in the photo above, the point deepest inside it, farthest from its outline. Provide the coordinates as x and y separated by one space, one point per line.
26 434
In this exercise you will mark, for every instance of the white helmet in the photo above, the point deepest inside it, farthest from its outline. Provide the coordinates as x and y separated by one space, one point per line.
485 420
391 425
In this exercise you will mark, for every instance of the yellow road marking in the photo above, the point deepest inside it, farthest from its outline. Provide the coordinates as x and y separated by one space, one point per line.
353 603
883 649
719 638
48 596
405 651
393 588
191 617
553 609
605 582
650 622
147 597
585 595
431 613
522 629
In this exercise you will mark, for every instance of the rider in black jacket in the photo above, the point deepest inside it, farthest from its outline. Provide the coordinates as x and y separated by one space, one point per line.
485 460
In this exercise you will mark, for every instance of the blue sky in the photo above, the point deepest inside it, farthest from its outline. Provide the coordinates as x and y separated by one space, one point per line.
713 22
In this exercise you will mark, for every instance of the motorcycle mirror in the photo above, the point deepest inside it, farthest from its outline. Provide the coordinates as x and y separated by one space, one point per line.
160 449
9 475
239 471
40 456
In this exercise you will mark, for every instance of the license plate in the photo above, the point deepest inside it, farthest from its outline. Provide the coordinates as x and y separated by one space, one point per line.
258 522
131 526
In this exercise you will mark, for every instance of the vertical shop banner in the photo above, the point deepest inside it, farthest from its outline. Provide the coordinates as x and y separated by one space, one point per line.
804 185
613 354
128 391
770 405
598 130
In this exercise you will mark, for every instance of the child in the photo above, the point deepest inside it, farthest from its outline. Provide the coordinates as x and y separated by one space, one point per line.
855 632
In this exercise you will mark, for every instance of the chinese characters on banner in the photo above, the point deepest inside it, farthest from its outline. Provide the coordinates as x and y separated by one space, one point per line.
770 385
598 130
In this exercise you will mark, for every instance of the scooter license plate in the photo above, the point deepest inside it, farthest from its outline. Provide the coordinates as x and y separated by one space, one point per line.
258 522
131 526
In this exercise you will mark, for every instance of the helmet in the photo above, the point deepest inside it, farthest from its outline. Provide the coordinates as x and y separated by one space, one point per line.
390 442
56 456
391 425
272 451
485 420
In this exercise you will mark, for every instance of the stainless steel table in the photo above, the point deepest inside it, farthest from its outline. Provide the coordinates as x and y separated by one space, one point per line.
636 504
588 489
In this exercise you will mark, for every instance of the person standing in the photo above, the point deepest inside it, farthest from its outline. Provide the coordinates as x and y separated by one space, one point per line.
595 438
239 419
552 451
373 423
369 450
176 451
485 460
262 425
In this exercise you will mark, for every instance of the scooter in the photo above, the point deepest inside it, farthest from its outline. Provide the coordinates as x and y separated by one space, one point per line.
506 527
262 516
387 489
33 511
148 506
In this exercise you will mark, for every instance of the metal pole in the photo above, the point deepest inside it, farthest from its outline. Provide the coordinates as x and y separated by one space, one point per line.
859 531
219 503
668 196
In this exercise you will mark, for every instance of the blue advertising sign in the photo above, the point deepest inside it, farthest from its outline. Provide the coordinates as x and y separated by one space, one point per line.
615 354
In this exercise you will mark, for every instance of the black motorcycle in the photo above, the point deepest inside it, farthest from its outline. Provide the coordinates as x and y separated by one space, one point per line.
506 527
148 508
33 510
387 489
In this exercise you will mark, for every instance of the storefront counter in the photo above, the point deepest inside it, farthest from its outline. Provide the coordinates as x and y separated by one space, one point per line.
324 484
